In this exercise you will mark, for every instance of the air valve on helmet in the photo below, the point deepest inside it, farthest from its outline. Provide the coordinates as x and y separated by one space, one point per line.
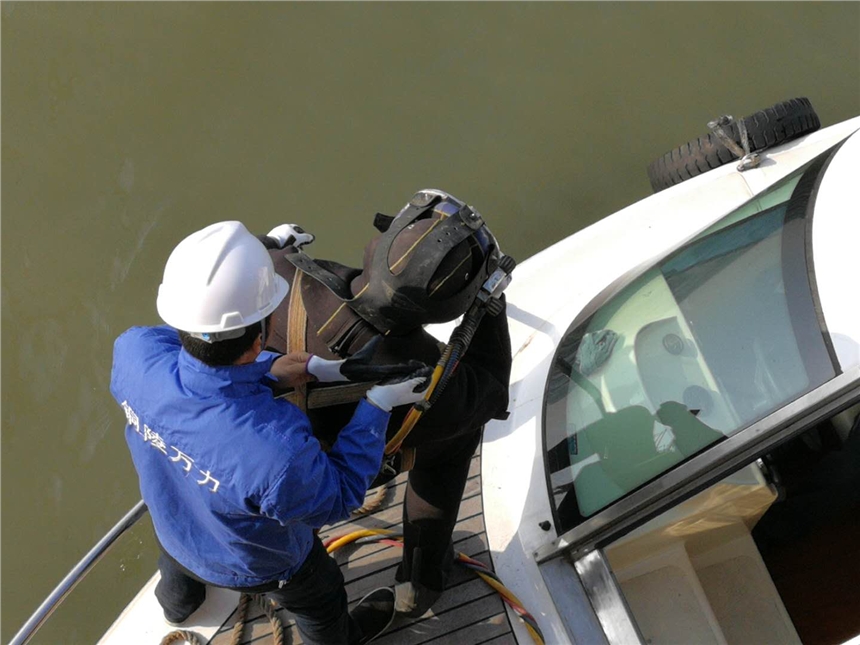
490 291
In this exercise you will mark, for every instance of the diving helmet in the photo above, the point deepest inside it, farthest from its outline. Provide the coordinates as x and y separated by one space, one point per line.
426 266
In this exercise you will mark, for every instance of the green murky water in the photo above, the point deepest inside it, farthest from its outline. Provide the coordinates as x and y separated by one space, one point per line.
125 126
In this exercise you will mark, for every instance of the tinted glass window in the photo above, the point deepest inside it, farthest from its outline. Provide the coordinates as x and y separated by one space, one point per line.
716 336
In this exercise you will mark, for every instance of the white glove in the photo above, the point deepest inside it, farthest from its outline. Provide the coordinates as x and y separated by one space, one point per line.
290 235
401 392
325 371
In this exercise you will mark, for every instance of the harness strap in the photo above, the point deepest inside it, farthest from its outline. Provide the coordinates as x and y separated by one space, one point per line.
323 397
297 324
296 341
334 283
296 336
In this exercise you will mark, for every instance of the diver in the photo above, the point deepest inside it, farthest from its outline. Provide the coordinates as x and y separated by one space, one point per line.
426 265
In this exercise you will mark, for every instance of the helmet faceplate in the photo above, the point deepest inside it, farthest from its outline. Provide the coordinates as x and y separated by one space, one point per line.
427 266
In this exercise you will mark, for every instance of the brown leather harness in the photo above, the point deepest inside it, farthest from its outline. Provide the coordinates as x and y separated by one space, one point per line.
296 340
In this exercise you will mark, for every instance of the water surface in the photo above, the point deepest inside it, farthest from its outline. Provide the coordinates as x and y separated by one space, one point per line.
126 126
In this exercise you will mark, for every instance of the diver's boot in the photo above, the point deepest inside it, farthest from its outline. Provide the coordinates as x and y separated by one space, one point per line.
428 555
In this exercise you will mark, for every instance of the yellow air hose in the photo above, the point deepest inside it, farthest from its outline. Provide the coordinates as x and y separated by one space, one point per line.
414 412
480 569
487 300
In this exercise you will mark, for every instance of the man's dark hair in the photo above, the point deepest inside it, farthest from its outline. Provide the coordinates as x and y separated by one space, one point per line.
222 352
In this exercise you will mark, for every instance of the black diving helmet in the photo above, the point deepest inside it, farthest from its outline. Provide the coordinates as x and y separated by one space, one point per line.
426 266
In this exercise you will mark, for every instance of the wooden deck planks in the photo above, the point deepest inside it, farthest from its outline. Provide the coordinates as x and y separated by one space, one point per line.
505 639
469 612
444 627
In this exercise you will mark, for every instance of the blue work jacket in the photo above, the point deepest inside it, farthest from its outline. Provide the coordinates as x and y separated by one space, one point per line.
234 479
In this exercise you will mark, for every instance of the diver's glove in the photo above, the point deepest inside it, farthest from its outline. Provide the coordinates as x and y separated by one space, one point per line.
358 367
290 235
400 390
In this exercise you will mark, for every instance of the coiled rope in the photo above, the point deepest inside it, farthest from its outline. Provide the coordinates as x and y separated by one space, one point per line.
268 609
183 635
372 501
364 536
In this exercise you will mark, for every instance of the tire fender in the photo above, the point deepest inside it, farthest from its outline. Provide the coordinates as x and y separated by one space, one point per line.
766 128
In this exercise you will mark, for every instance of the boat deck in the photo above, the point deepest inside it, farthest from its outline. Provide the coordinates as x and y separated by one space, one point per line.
469 611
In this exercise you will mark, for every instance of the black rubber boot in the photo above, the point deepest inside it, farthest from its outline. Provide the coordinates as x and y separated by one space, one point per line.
428 556
374 613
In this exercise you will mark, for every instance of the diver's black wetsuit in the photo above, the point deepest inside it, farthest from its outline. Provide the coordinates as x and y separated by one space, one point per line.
446 435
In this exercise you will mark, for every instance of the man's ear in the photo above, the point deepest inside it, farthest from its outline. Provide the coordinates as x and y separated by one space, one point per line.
252 353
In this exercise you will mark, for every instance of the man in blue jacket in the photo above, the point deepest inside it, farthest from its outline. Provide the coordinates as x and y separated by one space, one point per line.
233 478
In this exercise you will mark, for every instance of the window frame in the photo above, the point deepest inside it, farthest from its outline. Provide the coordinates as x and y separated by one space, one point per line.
726 456
707 468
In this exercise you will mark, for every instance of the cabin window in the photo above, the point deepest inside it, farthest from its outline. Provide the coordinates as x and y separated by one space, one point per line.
716 336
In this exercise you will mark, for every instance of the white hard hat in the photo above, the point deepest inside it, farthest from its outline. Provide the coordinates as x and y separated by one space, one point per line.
219 279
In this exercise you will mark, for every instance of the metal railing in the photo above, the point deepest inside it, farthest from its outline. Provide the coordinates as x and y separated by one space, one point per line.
76 575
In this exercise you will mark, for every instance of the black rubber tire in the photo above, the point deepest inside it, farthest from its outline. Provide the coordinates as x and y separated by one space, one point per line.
766 128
